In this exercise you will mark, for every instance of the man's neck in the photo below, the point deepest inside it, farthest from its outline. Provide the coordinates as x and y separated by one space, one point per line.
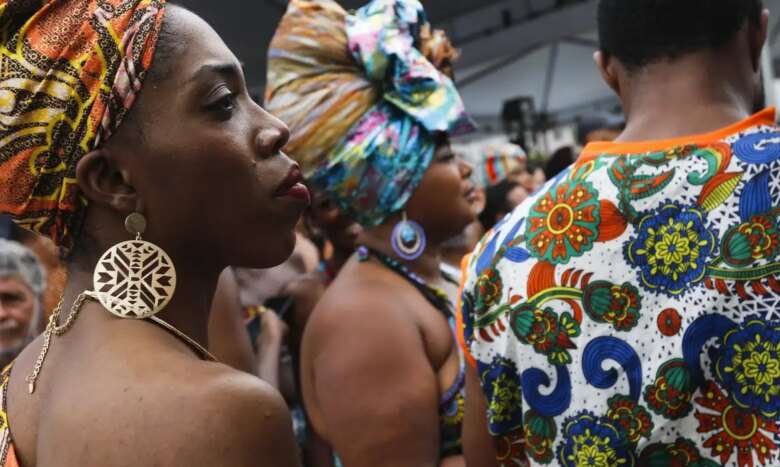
672 100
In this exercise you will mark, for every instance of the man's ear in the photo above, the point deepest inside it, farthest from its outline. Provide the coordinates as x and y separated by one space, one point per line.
757 39
606 67
104 183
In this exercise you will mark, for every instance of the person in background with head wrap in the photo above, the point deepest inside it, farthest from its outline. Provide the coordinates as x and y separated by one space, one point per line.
128 135
371 106
22 285
502 161
508 162
507 181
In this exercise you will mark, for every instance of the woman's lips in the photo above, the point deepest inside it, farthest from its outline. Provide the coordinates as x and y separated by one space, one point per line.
298 191
293 187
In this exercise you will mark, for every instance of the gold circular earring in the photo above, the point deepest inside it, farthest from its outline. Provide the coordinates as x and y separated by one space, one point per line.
134 279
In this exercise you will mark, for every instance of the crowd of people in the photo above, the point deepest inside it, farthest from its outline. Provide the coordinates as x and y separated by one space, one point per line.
189 278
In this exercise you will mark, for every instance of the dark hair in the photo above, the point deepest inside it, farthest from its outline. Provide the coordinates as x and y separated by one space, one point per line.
169 44
560 161
496 203
640 32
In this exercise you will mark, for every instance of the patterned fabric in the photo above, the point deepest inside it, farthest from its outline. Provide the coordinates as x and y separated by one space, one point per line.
7 451
629 313
362 100
500 162
69 71
451 413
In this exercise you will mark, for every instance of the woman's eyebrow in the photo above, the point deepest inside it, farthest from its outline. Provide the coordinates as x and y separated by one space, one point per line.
230 71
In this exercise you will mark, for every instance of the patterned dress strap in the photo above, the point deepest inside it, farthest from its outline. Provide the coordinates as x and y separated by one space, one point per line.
7 452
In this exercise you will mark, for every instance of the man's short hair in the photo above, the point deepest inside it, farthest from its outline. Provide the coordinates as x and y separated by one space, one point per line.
641 32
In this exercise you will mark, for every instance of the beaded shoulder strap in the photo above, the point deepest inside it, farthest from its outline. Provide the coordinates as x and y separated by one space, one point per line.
434 295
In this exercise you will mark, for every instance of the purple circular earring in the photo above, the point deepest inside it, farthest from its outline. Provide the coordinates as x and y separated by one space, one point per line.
408 239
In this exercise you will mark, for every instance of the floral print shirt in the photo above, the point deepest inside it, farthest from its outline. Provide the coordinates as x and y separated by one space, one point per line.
629 313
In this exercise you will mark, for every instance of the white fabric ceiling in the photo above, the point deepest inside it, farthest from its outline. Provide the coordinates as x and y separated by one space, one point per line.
521 35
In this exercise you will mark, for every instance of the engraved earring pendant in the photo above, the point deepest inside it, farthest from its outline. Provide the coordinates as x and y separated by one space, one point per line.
134 279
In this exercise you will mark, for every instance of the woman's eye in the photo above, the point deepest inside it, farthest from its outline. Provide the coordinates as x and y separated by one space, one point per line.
226 104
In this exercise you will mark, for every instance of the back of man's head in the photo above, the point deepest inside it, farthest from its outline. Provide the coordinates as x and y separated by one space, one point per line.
641 32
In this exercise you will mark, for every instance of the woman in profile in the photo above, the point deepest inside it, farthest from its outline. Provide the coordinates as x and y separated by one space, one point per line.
130 139
371 106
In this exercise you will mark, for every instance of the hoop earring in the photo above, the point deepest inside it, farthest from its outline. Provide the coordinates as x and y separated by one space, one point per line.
408 239
134 279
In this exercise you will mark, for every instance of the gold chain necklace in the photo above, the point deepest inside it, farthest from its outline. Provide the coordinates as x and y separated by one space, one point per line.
199 349
53 329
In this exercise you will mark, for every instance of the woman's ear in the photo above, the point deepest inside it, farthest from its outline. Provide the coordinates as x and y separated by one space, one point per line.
104 183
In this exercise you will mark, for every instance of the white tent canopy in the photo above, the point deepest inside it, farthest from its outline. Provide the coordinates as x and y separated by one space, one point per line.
510 48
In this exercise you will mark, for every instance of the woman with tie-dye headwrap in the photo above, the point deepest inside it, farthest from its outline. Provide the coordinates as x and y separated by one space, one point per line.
114 107
371 105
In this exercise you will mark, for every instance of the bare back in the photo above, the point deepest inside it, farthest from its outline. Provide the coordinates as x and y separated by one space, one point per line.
375 348
118 393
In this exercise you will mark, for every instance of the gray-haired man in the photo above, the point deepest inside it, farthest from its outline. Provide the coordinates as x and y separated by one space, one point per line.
22 283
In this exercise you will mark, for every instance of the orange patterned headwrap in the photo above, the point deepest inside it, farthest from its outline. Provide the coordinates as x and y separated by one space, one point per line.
70 71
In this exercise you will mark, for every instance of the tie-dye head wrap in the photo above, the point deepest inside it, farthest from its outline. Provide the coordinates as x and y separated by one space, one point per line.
362 99
69 72
500 161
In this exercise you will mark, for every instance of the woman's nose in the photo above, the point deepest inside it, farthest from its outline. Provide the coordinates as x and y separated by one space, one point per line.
272 137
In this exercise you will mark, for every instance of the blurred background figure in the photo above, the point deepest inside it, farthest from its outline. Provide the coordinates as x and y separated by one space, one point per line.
500 200
335 235
22 285
258 286
49 257
592 127
503 161
507 180
508 161
595 127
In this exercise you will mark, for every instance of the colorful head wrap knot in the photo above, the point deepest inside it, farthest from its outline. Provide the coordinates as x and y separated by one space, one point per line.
500 161
362 100
70 71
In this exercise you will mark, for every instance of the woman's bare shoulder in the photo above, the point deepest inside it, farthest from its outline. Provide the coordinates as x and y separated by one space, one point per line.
227 418
365 303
